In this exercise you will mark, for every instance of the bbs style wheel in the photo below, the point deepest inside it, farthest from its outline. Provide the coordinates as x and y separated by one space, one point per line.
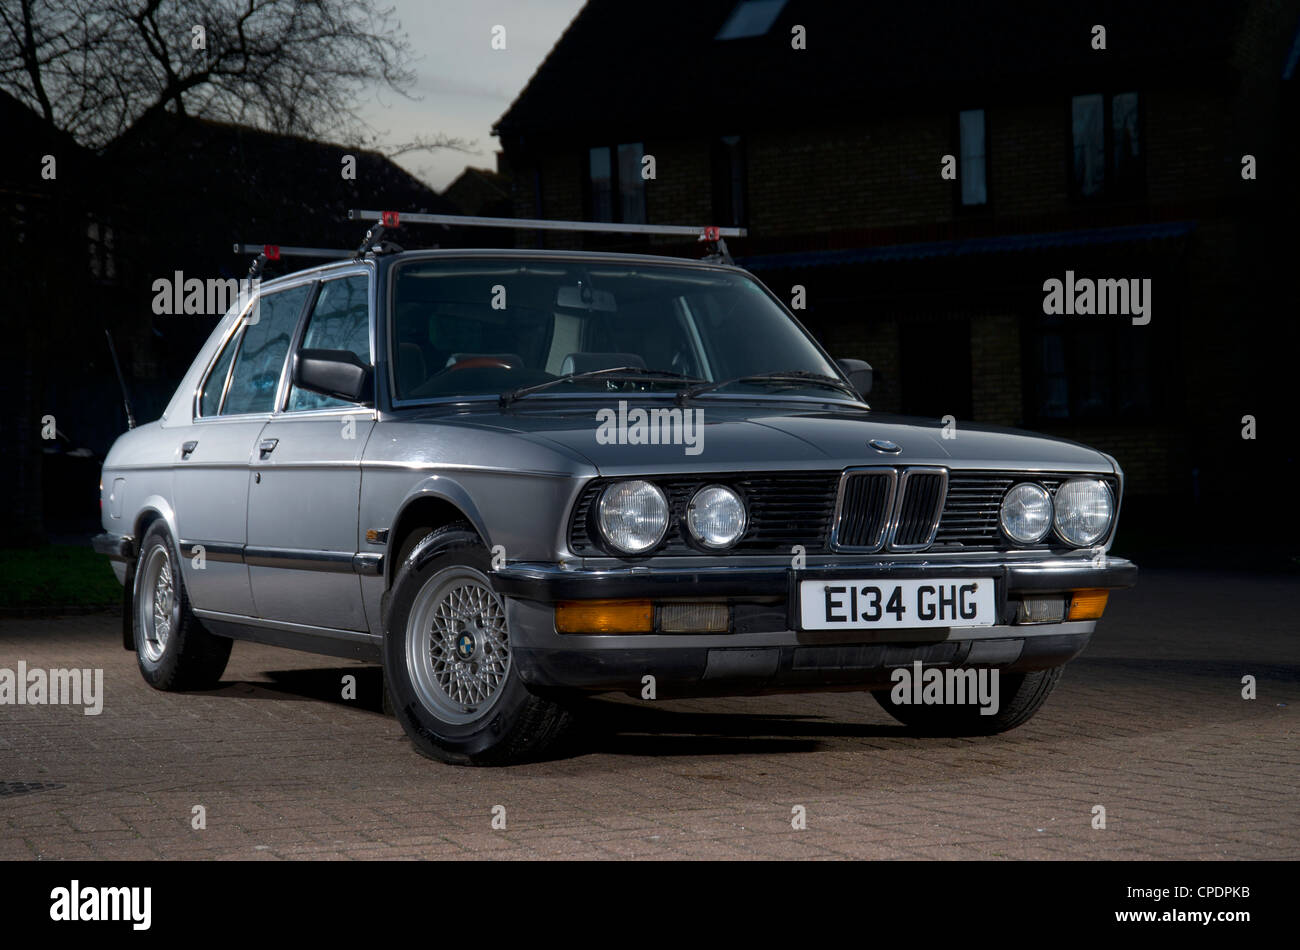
452 680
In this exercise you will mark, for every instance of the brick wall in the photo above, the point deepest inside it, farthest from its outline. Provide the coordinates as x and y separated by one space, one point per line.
881 172
995 370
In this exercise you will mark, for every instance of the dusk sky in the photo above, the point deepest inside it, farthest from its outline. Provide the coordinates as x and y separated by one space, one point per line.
463 85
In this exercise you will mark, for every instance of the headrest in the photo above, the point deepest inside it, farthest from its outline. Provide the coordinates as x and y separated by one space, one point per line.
587 362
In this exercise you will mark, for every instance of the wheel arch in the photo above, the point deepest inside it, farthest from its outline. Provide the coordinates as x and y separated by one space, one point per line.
437 503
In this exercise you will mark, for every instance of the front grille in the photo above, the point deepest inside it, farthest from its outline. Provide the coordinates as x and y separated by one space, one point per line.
785 509
864 509
919 509
799 508
879 507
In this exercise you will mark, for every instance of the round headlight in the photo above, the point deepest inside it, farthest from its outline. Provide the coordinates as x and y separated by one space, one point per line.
1084 509
716 517
1026 513
633 516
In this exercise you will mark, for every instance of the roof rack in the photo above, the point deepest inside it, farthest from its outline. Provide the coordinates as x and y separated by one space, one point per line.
384 220
273 252
713 235
393 219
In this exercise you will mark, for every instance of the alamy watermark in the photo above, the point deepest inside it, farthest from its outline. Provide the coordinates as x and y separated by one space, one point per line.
917 686
675 426
1130 297
57 687
76 902
180 295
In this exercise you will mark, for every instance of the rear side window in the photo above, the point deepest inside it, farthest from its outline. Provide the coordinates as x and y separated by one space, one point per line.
340 320
215 385
262 350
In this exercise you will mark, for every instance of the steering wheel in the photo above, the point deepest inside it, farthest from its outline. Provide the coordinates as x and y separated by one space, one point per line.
480 362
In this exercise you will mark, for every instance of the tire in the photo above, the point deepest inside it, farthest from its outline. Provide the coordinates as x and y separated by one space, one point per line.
1020 695
173 649
451 676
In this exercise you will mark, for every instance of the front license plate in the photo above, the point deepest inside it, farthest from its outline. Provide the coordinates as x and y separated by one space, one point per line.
895 605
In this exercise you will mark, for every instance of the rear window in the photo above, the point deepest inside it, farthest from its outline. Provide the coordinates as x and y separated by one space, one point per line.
262 351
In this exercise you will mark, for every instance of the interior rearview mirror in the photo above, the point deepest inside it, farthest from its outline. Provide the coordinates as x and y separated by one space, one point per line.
337 373
858 372
582 297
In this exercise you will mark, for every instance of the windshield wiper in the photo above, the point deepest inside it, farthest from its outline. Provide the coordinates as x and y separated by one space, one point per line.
620 373
794 377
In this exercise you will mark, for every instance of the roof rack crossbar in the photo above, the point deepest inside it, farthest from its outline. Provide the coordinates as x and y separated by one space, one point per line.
394 219
276 251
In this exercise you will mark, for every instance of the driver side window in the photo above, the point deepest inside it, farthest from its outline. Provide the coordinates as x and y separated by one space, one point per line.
340 320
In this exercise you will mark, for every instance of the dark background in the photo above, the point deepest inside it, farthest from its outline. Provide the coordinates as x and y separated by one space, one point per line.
1120 162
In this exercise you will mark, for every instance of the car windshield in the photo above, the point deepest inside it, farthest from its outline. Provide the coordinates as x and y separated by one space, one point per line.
471 327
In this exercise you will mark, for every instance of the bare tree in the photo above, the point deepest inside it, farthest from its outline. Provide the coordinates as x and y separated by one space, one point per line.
96 68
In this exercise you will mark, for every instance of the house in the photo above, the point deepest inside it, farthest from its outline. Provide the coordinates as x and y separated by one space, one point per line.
924 171
481 192
187 190
83 252
51 247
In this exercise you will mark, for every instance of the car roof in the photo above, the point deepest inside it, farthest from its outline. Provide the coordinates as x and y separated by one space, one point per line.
511 253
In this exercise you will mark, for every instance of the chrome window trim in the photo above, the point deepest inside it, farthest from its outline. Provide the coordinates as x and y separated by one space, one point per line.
887 527
236 329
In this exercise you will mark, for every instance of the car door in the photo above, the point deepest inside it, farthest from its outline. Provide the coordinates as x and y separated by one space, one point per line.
302 511
210 483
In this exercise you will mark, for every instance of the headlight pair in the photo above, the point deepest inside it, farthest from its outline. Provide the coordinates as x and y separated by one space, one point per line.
634 515
1081 513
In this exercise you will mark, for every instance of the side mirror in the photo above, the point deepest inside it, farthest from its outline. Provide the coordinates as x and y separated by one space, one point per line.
858 372
337 373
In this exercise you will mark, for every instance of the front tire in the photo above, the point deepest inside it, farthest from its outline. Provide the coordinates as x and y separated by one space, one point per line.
173 649
448 662
1021 695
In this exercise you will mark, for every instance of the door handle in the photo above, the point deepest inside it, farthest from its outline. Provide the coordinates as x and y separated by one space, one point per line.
267 446
188 449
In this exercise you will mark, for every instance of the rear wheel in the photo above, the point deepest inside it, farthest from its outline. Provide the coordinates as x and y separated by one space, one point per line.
452 680
173 649
1020 695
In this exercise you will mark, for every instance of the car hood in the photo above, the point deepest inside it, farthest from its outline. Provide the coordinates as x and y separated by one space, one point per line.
753 435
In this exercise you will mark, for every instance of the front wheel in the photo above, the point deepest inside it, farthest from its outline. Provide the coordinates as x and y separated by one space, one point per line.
1020 695
452 678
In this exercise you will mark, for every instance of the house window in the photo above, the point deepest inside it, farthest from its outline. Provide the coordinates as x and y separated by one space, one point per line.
600 185
973 171
615 188
1106 158
99 249
729 184
750 18
1083 370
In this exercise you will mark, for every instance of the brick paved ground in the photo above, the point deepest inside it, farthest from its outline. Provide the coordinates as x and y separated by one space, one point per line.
1149 723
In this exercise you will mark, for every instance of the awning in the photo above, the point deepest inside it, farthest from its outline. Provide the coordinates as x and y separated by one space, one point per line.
960 248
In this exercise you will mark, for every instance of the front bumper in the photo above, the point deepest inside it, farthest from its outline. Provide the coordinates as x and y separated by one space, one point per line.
765 652
550 583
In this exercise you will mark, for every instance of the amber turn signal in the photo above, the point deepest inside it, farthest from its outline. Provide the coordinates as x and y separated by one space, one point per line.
1087 604
604 616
